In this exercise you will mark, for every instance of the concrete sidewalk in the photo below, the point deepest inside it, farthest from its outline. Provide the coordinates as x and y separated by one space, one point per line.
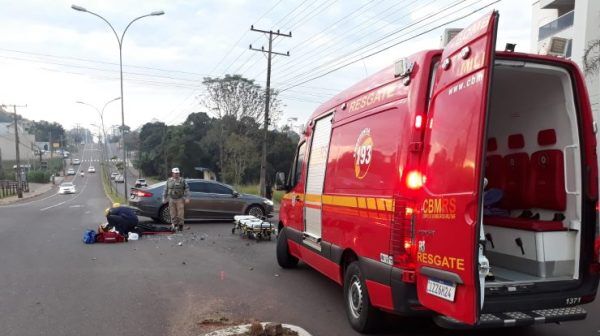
35 189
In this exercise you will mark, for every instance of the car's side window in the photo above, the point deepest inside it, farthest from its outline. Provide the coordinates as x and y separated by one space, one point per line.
199 187
297 172
219 189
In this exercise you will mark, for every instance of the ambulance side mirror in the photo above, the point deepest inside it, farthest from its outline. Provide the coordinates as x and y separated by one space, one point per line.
280 181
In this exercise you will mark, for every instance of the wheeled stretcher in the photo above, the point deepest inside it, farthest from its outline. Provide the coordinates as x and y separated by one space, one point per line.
253 227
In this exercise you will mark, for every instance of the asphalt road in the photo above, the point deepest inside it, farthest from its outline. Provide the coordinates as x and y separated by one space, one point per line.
53 284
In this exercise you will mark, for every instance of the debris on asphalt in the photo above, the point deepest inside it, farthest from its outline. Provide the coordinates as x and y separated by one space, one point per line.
180 244
94 258
276 274
183 263
260 329
252 268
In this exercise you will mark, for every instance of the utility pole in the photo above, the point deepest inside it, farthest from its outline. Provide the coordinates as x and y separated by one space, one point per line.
17 153
51 146
269 52
64 161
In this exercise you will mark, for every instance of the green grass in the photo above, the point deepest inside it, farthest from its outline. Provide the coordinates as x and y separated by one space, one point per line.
253 189
112 195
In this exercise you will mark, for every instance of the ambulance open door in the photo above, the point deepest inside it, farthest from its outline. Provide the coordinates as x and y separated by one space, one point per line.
317 165
448 232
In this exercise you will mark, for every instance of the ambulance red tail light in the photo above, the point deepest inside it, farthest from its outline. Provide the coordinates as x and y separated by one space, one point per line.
402 235
414 180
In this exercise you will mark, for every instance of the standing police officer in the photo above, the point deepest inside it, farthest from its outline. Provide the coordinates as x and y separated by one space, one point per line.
177 194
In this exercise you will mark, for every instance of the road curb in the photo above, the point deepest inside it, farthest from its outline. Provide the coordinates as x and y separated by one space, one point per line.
236 330
14 199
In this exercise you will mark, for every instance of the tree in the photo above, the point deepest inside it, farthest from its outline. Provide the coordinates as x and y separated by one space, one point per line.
240 153
43 130
152 143
238 97
591 57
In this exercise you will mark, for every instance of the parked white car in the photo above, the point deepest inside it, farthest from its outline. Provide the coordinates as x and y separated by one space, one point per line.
67 188
119 179
71 171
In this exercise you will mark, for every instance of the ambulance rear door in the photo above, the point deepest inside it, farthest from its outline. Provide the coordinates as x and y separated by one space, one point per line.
447 232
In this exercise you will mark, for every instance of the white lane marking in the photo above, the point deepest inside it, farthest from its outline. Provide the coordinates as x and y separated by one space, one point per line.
75 206
41 199
52 206
76 195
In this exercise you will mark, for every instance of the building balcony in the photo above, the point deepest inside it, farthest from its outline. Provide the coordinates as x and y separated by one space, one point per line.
552 28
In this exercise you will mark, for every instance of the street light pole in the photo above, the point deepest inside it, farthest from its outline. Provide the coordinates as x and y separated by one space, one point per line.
101 113
120 42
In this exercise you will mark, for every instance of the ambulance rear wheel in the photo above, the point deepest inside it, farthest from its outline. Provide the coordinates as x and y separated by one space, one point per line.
362 315
284 258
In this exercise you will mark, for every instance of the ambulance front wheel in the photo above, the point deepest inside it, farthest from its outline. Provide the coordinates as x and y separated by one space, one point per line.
284 258
362 315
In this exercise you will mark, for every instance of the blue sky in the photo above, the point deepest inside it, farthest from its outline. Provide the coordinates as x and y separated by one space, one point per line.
52 56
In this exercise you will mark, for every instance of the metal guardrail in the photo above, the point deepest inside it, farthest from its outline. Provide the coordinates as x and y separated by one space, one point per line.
561 23
10 188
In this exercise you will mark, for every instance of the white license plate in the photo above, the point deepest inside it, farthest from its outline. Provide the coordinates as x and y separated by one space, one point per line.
442 289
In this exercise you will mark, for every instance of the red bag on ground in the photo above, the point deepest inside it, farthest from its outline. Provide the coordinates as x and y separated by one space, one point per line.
109 237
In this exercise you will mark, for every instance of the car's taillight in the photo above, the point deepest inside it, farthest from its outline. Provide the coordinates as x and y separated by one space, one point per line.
141 193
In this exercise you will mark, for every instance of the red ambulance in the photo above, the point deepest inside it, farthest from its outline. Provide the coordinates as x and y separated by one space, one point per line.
461 183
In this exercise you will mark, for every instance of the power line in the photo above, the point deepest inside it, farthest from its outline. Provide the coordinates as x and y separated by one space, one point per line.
276 24
98 61
361 48
388 47
319 52
241 37
373 45
344 18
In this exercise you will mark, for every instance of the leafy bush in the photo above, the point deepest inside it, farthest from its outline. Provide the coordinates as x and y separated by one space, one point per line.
38 176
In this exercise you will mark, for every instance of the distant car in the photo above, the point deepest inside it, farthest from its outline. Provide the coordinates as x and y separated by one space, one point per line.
76 161
119 179
113 175
139 183
66 188
71 171
208 200
91 169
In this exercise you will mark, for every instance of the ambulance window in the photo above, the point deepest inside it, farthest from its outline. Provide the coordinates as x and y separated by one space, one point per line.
297 174
435 63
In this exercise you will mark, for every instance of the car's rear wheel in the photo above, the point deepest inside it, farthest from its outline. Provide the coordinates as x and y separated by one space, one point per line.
165 215
256 211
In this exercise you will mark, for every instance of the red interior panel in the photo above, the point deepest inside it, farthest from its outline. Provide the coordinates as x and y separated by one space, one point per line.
546 137
494 171
547 182
492 144
516 141
516 174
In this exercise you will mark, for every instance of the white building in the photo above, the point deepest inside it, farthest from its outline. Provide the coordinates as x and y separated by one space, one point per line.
577 22
7 143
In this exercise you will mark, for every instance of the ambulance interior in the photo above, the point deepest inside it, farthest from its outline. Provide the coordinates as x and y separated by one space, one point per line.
532 202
